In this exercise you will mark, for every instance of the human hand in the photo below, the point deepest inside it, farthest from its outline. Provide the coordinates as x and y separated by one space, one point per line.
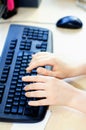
53 90
59 68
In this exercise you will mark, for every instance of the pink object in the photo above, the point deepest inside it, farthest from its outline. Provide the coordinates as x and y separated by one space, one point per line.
10 5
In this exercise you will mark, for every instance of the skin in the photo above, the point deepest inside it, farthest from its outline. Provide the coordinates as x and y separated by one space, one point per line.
59 68
49 86
46 87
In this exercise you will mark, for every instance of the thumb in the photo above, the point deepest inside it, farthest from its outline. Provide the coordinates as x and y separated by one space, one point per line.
46 72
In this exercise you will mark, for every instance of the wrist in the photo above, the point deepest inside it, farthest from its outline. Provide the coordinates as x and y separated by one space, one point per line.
77 70
78 100
68 95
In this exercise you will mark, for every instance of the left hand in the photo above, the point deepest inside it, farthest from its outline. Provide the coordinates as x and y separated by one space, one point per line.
59 69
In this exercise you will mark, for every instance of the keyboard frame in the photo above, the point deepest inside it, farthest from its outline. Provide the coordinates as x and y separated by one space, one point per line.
10 117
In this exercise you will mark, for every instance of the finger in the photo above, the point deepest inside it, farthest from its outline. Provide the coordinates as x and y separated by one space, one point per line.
35 94
41 54
34 86
37 78
41 62
38 56
41 102
39 59
46 72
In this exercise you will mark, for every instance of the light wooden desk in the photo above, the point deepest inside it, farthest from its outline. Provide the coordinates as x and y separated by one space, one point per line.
68 45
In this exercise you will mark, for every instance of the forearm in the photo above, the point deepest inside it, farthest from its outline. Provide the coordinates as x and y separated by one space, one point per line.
78 70
78 100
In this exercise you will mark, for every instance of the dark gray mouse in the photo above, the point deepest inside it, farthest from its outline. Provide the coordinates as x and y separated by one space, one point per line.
70 22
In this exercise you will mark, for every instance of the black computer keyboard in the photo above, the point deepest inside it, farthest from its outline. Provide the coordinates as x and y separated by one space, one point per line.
21 42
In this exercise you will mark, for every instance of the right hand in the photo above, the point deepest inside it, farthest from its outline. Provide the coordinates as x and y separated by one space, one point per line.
53 91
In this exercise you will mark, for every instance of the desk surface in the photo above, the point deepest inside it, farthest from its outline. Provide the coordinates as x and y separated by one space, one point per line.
68 45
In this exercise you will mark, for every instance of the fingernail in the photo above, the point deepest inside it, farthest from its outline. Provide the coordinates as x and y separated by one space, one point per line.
33 55
27 68
23 78
26 94
24 88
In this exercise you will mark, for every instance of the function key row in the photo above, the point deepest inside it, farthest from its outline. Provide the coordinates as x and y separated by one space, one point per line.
6 69
2 87
4 75
3 80
11 52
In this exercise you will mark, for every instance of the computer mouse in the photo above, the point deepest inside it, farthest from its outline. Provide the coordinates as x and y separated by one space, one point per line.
69 22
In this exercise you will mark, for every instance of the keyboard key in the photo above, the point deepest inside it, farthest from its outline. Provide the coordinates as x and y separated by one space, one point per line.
20 109
14 109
